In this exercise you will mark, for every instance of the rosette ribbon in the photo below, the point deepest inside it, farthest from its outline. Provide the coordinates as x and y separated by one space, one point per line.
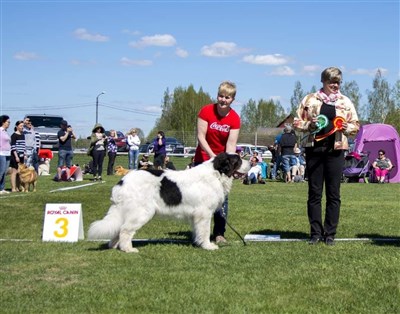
322 121
337 126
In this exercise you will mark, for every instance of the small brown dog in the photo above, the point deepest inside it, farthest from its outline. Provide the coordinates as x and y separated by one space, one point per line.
120 171
27 177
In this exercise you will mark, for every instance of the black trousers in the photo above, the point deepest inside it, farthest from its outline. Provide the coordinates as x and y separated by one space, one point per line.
98 158
324 166
111 161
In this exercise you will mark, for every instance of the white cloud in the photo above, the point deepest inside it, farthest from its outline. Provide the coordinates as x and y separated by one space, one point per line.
312 69
130 62
165 40
369 72
82 62
275 59
130 32
83 34
222 49
25 56
283 71
181 53
275 98
153 109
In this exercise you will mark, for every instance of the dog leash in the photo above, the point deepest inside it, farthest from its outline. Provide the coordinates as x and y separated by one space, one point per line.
233 229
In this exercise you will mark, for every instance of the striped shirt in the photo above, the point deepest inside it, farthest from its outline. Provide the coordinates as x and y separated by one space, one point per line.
18 143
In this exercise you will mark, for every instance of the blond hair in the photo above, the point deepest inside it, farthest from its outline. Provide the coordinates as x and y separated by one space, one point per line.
131 131
227 88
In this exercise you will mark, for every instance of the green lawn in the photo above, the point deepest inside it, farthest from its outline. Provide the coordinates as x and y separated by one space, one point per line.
175 277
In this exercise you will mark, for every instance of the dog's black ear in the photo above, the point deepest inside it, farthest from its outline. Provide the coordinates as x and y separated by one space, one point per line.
227 163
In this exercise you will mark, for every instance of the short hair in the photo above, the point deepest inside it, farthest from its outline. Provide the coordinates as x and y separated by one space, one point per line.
381 151
288 128
227 87
331 74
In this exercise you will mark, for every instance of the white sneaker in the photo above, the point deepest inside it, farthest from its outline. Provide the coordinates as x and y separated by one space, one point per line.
4 192
220 240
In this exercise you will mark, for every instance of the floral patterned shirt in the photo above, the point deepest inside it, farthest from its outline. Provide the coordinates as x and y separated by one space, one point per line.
310 107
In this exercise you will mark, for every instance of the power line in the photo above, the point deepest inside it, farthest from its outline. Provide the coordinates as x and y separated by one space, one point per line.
68 107
132 110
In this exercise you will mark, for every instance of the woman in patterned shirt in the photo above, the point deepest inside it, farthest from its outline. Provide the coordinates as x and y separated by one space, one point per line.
112 152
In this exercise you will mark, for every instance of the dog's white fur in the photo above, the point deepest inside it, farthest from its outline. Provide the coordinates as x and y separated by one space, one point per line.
142 194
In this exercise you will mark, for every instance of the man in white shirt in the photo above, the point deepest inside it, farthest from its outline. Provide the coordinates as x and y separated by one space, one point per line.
254 173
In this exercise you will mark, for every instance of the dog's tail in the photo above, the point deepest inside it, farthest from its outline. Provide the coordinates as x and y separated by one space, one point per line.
108 227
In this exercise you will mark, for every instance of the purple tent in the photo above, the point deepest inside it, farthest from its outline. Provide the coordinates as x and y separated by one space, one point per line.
373 137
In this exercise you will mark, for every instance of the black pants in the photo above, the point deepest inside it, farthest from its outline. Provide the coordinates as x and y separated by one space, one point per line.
220 217
98 158
111 160
324 167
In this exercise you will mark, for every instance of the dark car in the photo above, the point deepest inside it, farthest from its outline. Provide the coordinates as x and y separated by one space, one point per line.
144 148
120 141
172 146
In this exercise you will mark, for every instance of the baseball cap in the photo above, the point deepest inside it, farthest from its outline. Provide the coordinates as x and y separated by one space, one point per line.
63 122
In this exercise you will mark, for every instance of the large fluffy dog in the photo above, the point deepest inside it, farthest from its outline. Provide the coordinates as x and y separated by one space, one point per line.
192 194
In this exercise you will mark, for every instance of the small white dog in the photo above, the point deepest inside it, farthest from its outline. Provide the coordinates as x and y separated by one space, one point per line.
192 194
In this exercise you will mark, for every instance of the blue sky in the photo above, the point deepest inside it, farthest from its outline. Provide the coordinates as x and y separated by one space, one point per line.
57 56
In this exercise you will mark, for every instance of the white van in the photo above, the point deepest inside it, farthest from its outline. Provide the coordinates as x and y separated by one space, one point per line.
47 126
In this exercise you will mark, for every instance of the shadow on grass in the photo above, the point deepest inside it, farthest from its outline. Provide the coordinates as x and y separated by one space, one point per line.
381 240
283 234
183 238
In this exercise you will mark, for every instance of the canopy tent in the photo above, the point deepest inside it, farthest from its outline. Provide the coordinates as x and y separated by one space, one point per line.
373 137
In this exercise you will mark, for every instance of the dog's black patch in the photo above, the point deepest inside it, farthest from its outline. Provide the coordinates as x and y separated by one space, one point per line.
120 182
155 172
170 192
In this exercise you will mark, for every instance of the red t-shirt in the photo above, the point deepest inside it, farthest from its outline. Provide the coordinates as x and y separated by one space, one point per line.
217 130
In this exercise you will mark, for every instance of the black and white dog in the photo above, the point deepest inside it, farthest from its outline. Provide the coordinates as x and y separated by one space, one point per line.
193 194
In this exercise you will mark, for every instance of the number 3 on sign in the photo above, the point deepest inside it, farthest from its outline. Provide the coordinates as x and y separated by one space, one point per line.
63 223
63 226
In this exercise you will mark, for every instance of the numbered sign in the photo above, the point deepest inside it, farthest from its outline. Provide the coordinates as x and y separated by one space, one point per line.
63 223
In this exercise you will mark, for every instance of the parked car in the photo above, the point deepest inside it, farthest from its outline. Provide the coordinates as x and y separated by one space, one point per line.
248 150
263 150
120 141
172 146
47 126
145 148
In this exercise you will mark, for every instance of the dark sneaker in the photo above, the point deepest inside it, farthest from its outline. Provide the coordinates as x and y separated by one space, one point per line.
330 241
314 240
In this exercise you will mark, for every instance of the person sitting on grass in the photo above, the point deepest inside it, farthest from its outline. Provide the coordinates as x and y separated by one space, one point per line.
145 163
168 164
254 174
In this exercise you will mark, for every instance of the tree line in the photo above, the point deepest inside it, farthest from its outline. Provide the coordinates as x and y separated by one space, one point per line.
180 108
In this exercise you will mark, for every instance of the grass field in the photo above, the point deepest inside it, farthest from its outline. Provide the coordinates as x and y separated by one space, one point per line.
172 276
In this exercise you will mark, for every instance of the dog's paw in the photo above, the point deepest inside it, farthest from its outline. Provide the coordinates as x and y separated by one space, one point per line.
130 250
210 246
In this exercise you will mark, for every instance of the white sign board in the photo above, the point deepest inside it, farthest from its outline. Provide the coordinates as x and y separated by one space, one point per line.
63 223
